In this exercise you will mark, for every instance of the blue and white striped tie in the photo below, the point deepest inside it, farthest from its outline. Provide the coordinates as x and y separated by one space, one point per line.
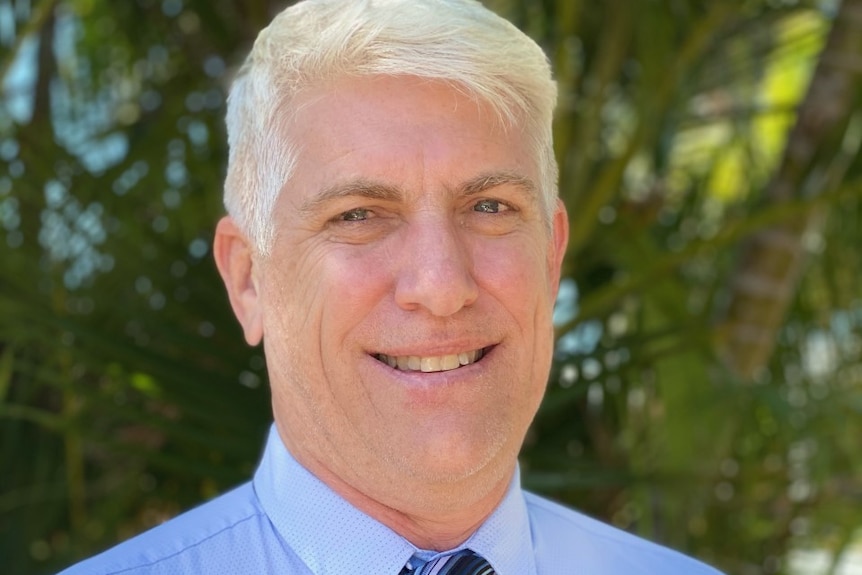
464 562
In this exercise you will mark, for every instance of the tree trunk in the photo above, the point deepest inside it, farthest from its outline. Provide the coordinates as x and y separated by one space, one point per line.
818 150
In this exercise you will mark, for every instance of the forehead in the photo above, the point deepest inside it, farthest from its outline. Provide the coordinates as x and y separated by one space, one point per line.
404 130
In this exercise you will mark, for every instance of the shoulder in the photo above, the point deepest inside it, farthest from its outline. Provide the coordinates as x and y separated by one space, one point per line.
211 535
561 536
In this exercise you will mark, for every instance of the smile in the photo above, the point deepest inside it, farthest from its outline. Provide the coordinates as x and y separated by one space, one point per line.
431 364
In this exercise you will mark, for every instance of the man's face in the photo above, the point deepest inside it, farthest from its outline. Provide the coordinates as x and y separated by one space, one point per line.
406 302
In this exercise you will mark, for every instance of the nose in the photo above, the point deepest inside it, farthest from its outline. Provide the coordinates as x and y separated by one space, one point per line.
435 270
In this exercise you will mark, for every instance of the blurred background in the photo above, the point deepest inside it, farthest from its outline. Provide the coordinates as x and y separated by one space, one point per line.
707 388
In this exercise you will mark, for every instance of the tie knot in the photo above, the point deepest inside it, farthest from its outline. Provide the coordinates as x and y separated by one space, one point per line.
464 562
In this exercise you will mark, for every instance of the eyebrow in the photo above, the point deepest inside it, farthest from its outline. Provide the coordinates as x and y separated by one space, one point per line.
378 191
487 181
353 188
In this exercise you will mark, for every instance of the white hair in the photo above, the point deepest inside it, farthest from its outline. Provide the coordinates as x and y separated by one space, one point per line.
456 41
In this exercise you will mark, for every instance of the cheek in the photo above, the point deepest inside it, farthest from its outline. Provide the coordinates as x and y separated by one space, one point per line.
518 278
352 283
516 274
292 289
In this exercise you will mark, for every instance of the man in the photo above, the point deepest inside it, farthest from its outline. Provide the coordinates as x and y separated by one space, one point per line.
395 242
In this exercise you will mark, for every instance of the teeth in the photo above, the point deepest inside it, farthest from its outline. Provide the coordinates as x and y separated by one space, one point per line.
448 362
430 364
470 356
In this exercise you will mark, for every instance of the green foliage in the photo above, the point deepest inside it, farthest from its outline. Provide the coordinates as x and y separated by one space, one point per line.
127 393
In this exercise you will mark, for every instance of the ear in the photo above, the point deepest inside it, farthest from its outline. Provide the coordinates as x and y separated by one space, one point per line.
236 264
559 242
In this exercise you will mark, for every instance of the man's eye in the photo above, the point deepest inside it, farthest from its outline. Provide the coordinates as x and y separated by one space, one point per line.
490 207
356 215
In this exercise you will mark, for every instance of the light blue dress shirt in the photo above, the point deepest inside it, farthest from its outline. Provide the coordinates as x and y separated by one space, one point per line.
287 522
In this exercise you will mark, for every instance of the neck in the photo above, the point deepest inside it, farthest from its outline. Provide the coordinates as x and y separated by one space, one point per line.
438 528
435 517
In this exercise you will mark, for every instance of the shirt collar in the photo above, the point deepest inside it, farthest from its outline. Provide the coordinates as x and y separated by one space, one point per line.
329 534
504 539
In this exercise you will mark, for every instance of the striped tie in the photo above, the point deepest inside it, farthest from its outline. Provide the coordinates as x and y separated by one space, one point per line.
464 562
